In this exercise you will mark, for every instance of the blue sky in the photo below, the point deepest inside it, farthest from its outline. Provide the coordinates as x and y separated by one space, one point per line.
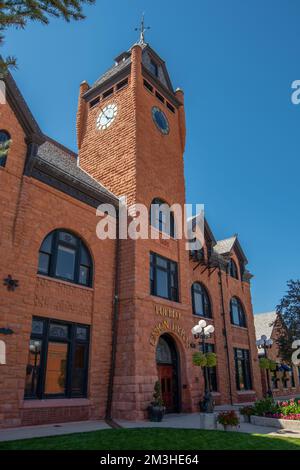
236 61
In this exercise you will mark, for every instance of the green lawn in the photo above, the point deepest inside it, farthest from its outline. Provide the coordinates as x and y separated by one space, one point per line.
155 439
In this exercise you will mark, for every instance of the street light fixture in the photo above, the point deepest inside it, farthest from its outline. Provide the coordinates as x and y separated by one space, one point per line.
203 331
265 344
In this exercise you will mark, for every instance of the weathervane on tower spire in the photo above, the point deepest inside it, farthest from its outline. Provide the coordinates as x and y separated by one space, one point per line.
142 30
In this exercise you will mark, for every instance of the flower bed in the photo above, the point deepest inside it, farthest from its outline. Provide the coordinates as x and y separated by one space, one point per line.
281 414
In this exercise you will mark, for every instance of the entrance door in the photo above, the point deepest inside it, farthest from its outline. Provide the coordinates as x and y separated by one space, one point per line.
167 371
165 376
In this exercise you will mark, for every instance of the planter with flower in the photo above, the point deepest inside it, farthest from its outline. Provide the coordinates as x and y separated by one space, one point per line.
229 420
247 412
156 409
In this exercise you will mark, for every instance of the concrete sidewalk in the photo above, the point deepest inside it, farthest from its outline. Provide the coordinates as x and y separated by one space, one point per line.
192 421
45 430
177 421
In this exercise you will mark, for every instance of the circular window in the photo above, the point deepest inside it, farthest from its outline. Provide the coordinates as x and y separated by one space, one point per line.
160 120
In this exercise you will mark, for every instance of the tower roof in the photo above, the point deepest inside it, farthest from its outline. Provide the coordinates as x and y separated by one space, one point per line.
150 61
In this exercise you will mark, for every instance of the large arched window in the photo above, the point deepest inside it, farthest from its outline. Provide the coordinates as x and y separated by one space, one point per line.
232 269
161 217
237 313
4 146
65 256
200 300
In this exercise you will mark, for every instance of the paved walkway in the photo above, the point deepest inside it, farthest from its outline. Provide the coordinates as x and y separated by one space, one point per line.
179 421
28 432
192 421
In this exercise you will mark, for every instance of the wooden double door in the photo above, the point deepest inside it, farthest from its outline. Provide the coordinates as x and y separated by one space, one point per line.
168 385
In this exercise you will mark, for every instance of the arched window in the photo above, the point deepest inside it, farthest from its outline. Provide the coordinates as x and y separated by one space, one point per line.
200 300
237 312
232 269
65 256
4 146
161 217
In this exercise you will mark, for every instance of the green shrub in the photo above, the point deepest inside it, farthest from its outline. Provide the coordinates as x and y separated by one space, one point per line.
265 406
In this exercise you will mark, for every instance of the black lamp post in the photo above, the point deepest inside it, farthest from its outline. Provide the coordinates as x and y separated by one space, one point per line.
203 331
265 344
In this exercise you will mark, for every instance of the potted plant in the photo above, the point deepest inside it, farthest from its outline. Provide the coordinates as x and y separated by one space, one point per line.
228 419
247 412
156 409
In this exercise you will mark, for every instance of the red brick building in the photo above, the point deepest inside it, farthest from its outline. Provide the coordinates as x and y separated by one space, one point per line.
92 324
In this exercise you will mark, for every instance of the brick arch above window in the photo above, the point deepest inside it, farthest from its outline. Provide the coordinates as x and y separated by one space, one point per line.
64 255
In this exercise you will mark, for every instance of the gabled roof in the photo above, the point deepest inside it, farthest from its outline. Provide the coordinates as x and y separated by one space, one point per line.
225 246
264 323
57 162
21 110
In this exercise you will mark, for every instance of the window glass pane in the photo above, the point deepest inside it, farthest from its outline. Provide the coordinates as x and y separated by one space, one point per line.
33 368
163 352
44 263
84 256
56 368
67 238
81 333
162 283
37 327
59 331
47 244
3 160
65 262
198 303
235 313
163 263
84 275
79 372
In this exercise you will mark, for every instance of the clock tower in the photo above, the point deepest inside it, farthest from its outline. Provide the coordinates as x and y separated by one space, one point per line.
131 138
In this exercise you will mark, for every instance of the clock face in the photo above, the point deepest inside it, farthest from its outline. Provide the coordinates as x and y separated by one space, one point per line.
160 120
106 116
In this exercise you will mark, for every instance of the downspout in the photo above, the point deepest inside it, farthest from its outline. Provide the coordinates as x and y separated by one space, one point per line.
115 318
225 332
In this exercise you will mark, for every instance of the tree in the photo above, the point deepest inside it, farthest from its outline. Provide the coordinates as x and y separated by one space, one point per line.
17 13
289 311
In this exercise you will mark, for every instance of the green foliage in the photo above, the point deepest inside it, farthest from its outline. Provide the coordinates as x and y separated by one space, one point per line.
17 13
204 360
4 147
211 359
199 359
228 418
157 397
290 407
289 311
266 363
265 406
247 411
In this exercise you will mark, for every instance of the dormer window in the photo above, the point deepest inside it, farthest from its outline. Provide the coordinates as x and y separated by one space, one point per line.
4 146
153 68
